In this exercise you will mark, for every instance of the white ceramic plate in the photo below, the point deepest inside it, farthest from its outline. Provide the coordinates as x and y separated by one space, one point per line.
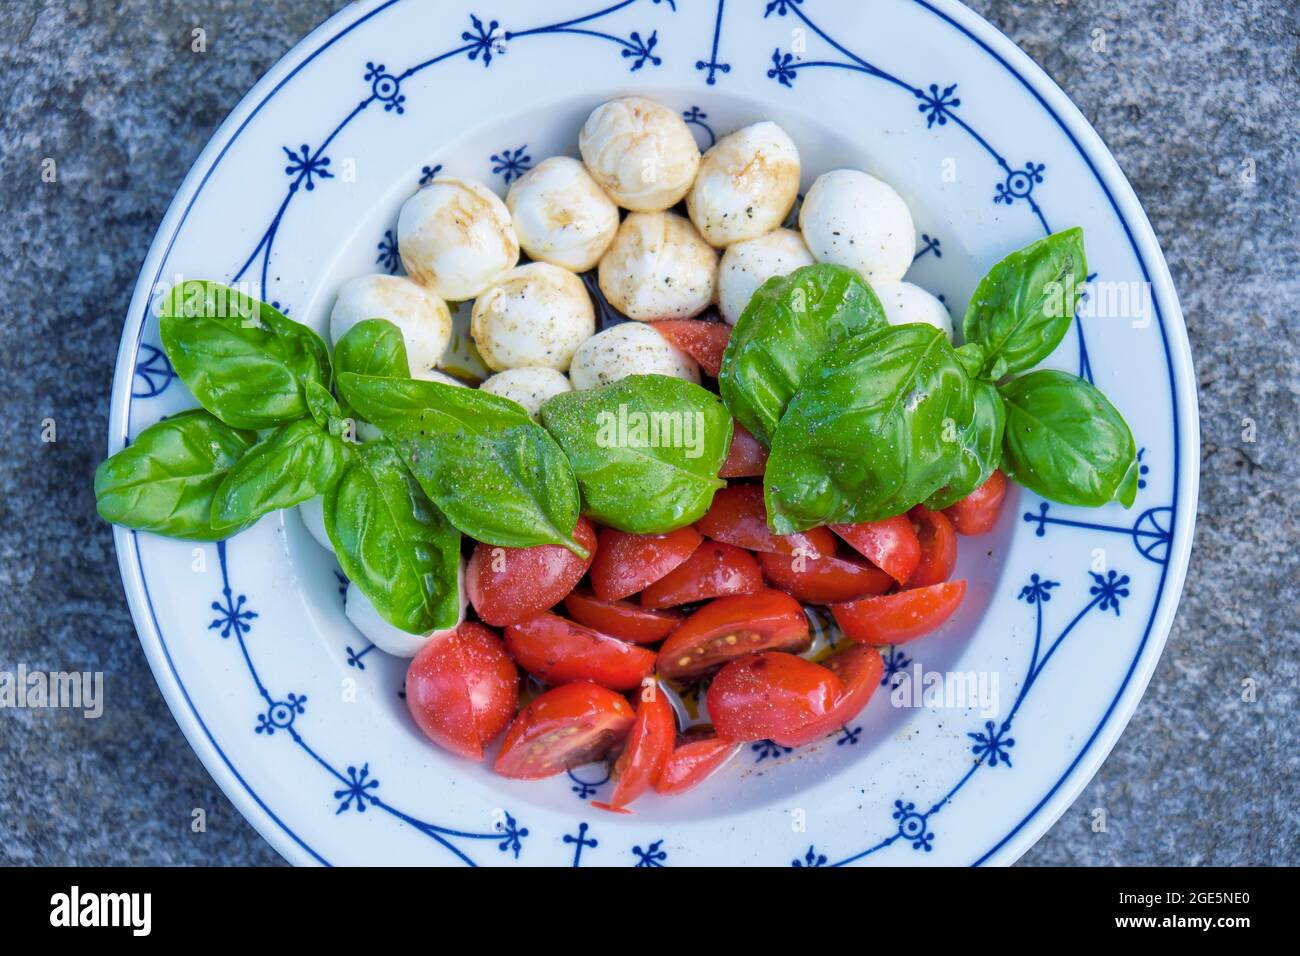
300 721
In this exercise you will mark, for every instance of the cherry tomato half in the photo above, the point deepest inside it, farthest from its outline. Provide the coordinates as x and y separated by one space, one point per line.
557 651
978 512
898 618
632 622
731 627
703 341
938 547
746 458
627 563
693 760
858 667
769 695
507 585
714 570
648 745
461 689
890 544
824 580
738 516
566 727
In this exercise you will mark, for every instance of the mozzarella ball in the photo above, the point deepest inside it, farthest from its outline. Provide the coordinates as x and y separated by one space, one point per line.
855 220
641 153
538 315
747 265
422 317
456 238
658 268
561 214
389 639
312 512
747 185
529 386
906 303
629 348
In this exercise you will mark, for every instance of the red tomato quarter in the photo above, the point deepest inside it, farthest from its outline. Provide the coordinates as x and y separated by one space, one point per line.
978 512
714 570
770 695
898 618
507 585
738 516
557 651
938 547
648 745
730 627
627 563
640 625
566 727
693 760
461 689
890 545
703 341
746 458
858 667
825 580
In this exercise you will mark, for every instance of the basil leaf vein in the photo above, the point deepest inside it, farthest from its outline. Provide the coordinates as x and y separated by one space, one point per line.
293 464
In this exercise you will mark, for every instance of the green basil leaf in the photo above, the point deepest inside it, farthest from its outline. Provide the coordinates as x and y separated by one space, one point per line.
244 361
980 440
1065 441
494 472
392 542
373 347
291 465
789 322
646 450
326 411
164 482
864 437
1024 306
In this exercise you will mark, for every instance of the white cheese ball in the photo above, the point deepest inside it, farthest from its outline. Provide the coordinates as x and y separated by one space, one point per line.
456 238
386 637
658 268
529 386
629 348
906 303
312 512
641 152
747 185
561 214
855 220
747 265
537 315
422 317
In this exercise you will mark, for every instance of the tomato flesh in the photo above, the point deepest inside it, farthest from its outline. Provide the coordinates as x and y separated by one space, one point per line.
858 667
631 622
938 547
731 627
714 570
746 458
824 580
693 761
890 544
978 512
557 651
627 563
738 516
898 618
461 689
763 696
565 727
507 585
703 341
648 745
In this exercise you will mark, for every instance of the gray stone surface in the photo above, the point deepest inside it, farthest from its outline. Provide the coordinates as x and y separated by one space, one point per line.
1186 92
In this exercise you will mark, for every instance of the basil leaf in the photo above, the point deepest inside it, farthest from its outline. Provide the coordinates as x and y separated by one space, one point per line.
392 542
789 322
373 347
864 437
980 441
291 465
165 481
244 361
326 411
646 450
1024 306
494 472
1066 441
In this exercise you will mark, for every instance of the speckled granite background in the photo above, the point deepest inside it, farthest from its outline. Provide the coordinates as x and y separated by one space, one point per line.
1186 93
